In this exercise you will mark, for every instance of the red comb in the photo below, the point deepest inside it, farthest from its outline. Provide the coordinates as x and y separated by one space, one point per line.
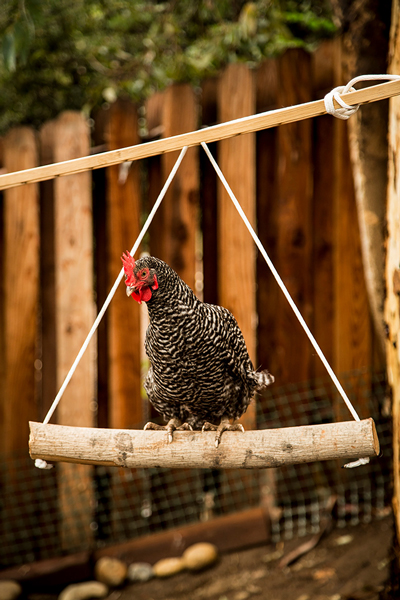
129 263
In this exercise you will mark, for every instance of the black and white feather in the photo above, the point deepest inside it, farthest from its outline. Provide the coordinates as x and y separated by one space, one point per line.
200 370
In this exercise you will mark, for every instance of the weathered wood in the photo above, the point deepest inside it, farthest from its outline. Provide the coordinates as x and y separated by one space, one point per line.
268 292
208 196
230 532
294 215
248 450
352 320
52 573
212 134
123 217
365 42
322 213
392 304
21 294
154 173
179 210
74 309
47 273
236 250
74 274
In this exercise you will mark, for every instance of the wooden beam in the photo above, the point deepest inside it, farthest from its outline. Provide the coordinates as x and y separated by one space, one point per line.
215 133
190 449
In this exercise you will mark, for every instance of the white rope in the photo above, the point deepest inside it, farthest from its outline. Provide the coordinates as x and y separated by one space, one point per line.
282 285
360 461
342 113
41 464
347 110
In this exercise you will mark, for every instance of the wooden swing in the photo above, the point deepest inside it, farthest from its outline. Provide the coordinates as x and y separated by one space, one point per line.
252 449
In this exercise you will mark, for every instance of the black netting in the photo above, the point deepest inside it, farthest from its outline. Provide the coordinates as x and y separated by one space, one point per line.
75 507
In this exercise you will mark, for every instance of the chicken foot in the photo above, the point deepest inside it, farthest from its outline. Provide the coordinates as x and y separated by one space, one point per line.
173 424
224 425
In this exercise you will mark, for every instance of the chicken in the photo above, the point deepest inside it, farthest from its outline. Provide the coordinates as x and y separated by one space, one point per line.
200 374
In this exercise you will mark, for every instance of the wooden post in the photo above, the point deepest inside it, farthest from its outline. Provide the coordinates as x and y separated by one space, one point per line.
74 315
123 217
196 449
21 294
237 254
392 274
294 218
179 210
18 327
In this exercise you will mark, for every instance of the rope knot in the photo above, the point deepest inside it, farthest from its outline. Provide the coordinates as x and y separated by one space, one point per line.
346 110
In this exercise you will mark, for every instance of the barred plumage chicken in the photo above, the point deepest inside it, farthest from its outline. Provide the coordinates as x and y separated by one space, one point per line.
200 374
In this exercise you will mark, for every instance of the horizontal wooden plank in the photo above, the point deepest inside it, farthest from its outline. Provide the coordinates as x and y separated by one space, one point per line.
230 532
51 573
249 124
193 449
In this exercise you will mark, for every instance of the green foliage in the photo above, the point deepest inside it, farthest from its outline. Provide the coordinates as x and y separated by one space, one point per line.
78 54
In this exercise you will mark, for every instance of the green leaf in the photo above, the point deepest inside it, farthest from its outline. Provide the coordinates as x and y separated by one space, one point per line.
9 53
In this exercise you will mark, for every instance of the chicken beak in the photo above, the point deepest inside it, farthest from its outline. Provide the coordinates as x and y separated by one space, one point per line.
129 290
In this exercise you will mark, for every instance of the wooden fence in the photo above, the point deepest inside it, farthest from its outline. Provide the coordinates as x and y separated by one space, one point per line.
61 242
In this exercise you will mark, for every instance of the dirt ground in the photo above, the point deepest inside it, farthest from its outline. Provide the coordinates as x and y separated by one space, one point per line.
347 564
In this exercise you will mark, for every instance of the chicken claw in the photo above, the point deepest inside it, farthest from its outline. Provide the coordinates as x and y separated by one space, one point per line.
223 426
173 424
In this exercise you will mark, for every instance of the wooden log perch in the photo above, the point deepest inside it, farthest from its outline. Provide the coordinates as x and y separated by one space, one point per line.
249 450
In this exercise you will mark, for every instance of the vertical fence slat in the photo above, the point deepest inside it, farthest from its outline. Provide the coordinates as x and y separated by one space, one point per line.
154 111
323 199
47 274
21 292
294 213
208 196
74 317
237 255
74 273
352 321
123 215
267 289
180 206
352 318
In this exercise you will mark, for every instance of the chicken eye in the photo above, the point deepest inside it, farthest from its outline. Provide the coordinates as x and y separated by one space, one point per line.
144 274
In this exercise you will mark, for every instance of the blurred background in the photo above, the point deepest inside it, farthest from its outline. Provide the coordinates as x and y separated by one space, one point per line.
81 78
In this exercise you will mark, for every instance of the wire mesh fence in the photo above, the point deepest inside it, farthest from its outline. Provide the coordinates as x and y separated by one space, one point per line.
78 507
